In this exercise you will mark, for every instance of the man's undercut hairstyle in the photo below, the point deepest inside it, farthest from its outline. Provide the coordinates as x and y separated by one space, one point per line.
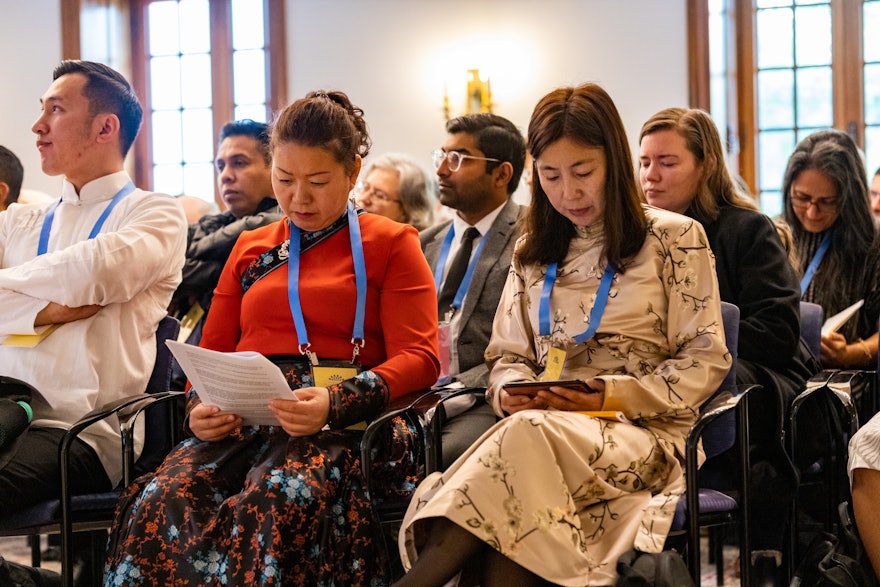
249 128
108 91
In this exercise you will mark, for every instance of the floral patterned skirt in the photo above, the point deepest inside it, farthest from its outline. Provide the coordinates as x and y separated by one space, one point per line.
258 508
261 508
560 493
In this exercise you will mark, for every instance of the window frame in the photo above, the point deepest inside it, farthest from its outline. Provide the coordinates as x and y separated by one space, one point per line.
847 68
221 42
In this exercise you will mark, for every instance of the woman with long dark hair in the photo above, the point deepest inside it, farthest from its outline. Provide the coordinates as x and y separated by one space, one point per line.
825 193
602 290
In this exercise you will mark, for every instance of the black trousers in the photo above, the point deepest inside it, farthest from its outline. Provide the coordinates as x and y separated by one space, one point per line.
30 474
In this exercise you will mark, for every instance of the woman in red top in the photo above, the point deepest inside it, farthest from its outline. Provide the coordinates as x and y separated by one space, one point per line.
323 289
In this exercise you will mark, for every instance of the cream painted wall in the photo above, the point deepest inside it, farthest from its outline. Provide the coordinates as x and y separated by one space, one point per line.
30 45
393 56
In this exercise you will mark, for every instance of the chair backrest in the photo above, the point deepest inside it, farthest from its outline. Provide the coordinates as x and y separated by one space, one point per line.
721 434
812 317
160 378
159 418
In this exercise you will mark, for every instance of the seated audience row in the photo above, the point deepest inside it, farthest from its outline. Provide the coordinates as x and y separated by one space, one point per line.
512 290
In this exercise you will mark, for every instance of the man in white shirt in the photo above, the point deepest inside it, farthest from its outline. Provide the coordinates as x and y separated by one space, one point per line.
478 169
101 264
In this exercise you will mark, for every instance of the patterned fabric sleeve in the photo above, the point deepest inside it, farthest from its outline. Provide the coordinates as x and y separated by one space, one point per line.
357 399
693 328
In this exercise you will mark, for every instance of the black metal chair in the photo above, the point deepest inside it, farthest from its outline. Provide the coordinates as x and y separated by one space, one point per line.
82 513
722 426
827 406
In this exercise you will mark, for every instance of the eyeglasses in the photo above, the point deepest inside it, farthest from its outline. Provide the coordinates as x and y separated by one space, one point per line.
363 189
802 202
454 159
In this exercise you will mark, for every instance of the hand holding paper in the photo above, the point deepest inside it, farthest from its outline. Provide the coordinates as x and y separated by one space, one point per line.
834 323
241 383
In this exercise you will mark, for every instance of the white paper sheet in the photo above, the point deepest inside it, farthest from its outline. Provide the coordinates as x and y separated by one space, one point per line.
836 321
241 383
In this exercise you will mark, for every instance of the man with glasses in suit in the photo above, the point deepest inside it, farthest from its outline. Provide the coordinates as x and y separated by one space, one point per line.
478 169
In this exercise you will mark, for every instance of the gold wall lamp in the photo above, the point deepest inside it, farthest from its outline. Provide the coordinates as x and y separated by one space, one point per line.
478 95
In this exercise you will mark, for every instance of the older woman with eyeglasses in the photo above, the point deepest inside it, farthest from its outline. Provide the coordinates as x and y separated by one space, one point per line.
826 205
397 187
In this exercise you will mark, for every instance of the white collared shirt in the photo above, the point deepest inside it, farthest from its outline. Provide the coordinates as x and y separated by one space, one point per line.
131 268
459 225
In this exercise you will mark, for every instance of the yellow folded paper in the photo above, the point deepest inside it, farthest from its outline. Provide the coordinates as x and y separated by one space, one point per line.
30 340
608 415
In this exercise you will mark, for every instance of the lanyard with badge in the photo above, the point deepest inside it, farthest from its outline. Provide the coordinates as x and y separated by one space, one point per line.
814 263
556 355
43 245
329 373
448 367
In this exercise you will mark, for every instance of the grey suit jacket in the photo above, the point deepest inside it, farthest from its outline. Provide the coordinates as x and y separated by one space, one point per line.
488 280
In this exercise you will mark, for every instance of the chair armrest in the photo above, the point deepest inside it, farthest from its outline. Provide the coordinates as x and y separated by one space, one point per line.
722 404
126 409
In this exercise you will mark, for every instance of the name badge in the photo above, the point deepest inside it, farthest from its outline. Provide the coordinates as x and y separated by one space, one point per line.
325 376
555 362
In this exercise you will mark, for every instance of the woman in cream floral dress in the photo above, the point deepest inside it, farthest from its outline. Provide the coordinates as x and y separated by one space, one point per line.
550 494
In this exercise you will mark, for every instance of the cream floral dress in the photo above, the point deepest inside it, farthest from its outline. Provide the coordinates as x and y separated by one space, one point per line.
564 494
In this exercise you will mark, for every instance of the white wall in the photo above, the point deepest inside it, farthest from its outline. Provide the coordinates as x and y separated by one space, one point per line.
392 57
30 43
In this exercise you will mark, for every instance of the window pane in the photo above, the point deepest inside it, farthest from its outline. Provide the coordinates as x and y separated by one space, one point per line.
255 112
195 29
247 24
871 38
165 83
166 137
775 38
872 149
872 94
198 139
196 81
162 18
718 105
717 42
772 3
198 180
771 203
775 99
775 148
168 179
249 75
813 35
814 97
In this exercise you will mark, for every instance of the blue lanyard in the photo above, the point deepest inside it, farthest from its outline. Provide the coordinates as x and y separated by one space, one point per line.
595 314
468 275
360 278
814 264
43 246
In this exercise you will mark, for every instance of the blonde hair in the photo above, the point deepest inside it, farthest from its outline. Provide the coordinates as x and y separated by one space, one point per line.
717 186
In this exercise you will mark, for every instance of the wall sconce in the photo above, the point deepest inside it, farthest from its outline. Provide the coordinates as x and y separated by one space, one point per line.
479 95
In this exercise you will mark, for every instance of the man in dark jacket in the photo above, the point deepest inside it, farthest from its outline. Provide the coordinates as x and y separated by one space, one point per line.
244 166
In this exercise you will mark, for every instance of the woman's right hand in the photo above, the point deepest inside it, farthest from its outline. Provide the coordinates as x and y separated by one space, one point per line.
512 403
209 424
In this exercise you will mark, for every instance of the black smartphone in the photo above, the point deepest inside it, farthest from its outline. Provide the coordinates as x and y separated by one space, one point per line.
529 387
